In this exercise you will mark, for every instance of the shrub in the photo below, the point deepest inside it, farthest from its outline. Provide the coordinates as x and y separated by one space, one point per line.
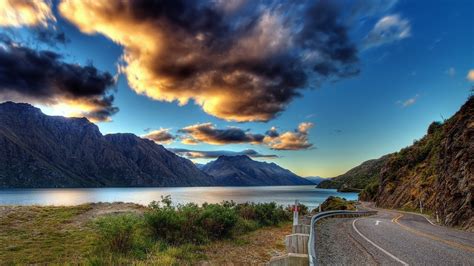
117 233
190 223
265 214
218 220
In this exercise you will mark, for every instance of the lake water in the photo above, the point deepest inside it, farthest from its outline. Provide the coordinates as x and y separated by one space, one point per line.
284 195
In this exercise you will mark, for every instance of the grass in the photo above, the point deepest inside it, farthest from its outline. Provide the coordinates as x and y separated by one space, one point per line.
43 235
87 234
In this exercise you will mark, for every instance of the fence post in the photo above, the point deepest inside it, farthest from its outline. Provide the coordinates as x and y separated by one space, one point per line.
295 213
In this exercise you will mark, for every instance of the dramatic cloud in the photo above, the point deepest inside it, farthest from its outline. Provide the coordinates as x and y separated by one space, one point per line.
470 75
162 136
41 77
35 16
241 66
409 102
388 29
297 140
195 154
18 13
209 134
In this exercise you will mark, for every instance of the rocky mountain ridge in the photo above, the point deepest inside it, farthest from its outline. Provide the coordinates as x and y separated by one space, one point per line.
37 150
437 170
243 171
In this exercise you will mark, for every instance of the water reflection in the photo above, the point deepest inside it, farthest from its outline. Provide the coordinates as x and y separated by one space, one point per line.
284 195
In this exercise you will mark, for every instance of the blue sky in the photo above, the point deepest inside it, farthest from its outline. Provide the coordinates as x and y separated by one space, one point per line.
406 81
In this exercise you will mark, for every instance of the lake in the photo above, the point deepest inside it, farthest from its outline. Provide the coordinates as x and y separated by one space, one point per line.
284 195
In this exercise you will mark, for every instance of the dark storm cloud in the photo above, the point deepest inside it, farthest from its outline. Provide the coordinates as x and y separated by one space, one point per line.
196 154
51 37
42 77
162 136
241 66
208 133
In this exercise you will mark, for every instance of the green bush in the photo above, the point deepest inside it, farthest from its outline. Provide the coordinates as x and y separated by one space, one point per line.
164 226
218 220
190 223
121 234
264 214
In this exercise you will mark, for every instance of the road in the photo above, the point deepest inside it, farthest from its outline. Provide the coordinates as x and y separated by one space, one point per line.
391 238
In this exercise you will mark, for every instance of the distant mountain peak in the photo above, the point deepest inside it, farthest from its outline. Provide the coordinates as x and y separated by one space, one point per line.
241 170
12 106
234 158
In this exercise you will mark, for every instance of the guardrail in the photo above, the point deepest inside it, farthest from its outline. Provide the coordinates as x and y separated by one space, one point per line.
322 215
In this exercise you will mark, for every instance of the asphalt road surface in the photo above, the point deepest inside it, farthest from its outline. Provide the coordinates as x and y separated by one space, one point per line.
391 238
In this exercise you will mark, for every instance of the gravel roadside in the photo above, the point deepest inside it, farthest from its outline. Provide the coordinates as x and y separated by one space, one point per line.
335 244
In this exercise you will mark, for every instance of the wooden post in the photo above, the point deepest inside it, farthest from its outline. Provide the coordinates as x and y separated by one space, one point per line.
301 229
295 213
297 243
290 260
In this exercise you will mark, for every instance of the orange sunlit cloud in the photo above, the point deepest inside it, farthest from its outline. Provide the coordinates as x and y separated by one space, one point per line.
17 13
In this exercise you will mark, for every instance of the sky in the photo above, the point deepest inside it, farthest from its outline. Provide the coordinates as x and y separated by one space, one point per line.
315 86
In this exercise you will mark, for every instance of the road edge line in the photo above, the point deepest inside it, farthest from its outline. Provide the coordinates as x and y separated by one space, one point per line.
377 246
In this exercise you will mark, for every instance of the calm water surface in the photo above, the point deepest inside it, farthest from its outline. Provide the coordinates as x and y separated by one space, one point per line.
284 195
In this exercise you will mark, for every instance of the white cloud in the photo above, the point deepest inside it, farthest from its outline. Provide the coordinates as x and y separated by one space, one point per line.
409 101
388 29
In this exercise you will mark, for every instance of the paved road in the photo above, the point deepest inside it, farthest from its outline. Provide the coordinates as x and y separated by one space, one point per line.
391 238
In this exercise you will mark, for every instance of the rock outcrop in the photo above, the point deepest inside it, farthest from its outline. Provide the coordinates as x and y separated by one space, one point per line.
37 150
437 170
243 171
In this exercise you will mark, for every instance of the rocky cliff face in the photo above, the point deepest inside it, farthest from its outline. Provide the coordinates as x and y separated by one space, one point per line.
358 177
437 170
37 150
243 171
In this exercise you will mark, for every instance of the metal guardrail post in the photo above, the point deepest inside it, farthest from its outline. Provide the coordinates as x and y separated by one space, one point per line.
312 237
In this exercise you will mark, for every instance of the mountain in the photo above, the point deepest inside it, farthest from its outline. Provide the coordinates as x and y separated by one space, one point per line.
437 170
242 171
358 177
37 150
316 179
199 165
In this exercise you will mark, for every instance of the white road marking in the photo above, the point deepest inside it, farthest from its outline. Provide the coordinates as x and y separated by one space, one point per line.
377 222
377 246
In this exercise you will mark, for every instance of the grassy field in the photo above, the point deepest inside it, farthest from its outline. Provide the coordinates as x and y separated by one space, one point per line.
120 233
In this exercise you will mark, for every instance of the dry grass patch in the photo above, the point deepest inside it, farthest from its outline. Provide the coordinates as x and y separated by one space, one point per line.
253 248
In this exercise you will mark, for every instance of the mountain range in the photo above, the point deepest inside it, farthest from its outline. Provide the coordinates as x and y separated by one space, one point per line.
39 151
242 171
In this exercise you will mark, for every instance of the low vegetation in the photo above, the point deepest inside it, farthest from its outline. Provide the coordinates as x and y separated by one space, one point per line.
336 203
159 234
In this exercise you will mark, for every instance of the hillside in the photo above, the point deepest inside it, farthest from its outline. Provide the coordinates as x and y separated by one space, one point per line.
358 177
315 179
437 170
243 171
37 150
